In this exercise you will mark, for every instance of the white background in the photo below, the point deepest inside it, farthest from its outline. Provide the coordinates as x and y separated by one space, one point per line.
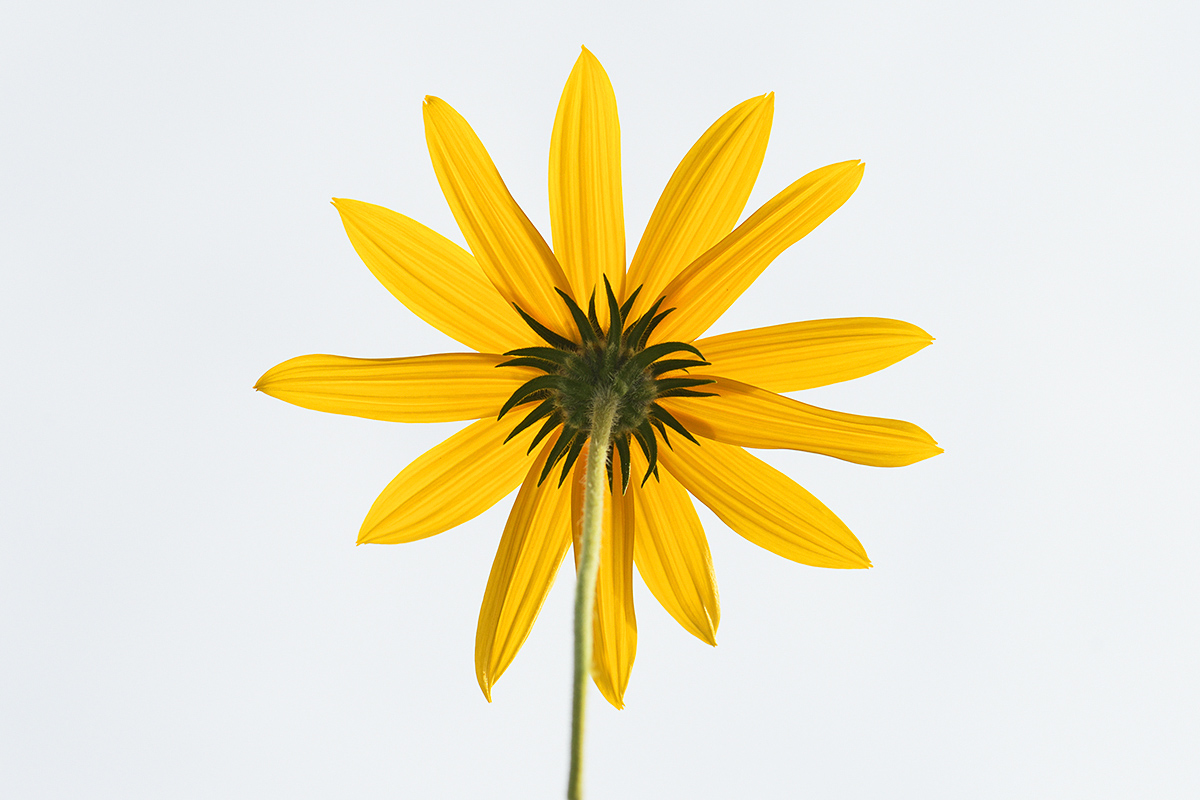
183 612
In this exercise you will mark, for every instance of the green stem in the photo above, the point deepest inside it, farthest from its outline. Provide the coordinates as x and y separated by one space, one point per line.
604 410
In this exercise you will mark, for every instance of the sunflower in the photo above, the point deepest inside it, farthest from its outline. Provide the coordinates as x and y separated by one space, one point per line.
550 327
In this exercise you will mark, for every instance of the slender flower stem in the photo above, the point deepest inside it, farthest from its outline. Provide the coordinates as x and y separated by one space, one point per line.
604 410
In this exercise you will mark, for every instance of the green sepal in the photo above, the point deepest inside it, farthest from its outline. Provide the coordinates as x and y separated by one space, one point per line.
584 325
659 367
561 358
543 409
559 450
614 318
662 430
552 338
641 360
592 318
628 305
665 417
635 332
650 328
547 426
664 385
572 456
622 445
686 393
530 361
645 439
531 388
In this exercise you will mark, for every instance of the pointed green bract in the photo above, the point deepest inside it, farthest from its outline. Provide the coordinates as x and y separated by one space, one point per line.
671 364
613 362
543 409
645 438
662 416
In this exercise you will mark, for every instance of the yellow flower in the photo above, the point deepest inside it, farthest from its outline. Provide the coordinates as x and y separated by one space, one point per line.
520 305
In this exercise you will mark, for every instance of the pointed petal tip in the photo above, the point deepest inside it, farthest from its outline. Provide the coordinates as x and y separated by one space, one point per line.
850 166
761 104
263 384
588 65
485 685
920 333
858 560
588 57
932 448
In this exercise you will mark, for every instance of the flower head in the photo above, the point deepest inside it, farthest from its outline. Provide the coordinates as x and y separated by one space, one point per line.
554 327
619 363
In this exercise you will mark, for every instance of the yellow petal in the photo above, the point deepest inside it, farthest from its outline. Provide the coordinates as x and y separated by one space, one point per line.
455 481
763 505
614 638
703 199
586 213
805 355
747 416
512 253
438 280
536 538
711 283
440 388
671 552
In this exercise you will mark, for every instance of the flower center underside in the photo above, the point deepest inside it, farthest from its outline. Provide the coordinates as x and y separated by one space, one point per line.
604 366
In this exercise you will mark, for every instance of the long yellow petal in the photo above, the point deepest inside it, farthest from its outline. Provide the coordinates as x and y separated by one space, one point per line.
587 216
439 281
671 552
747 416
536 538
455 481
440 388
512 253
703 199
764 505
614 641
805 355
711 283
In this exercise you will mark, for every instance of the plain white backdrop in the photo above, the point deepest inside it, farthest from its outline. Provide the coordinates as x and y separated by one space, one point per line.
183 612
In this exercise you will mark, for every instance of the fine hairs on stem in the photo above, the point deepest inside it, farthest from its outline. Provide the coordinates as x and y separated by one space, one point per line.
603 412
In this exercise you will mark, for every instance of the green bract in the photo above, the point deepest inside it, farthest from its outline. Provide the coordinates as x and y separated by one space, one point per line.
603 364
